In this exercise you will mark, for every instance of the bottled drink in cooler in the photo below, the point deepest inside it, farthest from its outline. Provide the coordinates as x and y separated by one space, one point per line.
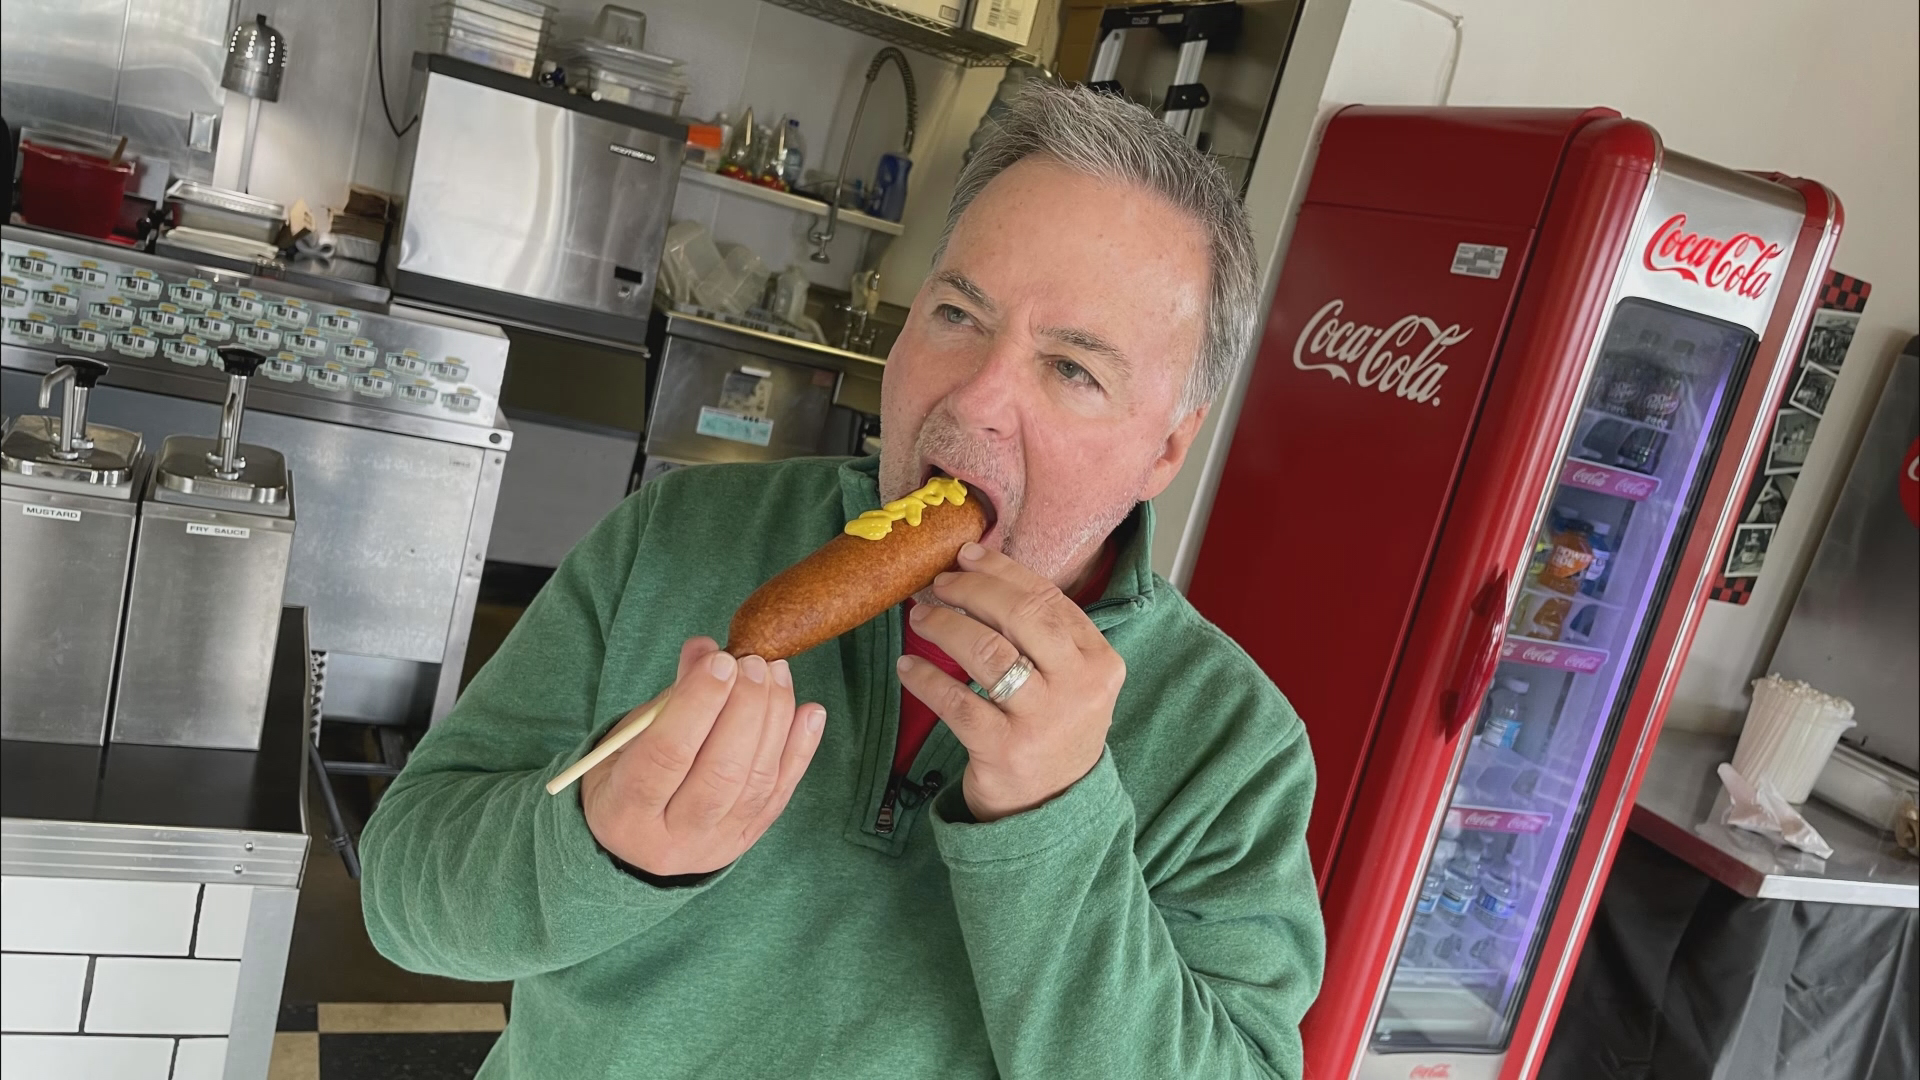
1498 893
1580 628
1502 782
1661 394
1460 884
1491 953
1626 383
1600 541
1448 949
1603 440
1502 724
1639 451
1568 559
1429 892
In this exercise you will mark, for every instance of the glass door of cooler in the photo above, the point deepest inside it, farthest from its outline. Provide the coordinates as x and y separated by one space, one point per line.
1602 561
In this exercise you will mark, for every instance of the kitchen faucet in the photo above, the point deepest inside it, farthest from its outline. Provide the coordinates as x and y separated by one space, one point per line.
823 237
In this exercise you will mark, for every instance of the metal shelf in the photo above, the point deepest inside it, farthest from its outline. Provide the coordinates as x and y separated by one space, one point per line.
916 32
853 218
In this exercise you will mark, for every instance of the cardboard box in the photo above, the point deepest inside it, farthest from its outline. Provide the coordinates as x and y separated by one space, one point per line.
1010 21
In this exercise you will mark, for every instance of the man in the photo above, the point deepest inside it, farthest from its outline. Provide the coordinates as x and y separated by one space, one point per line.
1098 870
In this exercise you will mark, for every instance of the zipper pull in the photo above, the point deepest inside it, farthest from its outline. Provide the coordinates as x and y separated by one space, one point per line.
905 795
913 795
883 824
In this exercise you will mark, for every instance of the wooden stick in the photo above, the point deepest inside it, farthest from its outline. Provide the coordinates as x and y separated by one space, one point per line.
615 739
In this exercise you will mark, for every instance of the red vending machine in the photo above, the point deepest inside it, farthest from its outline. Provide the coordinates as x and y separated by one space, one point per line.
1518 368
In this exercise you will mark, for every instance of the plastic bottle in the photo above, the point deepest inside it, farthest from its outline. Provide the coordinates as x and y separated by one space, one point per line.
1639 451
1429 893
1665 387
1599 541
1580 629
1448 948
796 152
1460 883
1568 560
1502 724
1495 904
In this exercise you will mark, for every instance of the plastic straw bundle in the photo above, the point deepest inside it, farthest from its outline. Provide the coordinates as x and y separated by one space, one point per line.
1790 733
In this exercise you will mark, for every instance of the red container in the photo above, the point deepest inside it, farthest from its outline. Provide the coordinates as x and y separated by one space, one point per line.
71 191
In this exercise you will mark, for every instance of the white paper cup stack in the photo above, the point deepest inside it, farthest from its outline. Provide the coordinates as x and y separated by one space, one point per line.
1790 733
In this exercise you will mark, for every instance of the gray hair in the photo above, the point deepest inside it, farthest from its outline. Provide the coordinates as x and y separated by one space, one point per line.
1110 138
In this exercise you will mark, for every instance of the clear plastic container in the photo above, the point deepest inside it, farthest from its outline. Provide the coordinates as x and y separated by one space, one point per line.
639 93
505 29
621 26
481 48
737 285
624 76
686 259
528 13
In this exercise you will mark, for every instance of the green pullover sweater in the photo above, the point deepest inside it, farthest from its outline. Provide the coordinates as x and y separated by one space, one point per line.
1158 919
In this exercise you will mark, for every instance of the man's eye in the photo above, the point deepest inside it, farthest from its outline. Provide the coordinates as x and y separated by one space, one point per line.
1074 373
951 315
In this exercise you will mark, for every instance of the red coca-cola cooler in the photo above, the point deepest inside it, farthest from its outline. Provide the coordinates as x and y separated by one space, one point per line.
1518 368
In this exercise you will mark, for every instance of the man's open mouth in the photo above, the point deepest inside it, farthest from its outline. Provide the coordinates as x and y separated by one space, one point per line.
975 490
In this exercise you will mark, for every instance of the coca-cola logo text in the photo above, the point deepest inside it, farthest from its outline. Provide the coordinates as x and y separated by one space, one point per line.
1431 1072
1594 478
1736 265
1381 358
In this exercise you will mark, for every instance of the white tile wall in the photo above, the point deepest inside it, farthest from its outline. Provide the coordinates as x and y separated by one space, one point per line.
200 1059
84 915
223 921
41 993
146 996
82 1057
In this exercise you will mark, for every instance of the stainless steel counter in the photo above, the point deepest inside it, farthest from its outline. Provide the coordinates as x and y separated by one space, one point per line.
1682 807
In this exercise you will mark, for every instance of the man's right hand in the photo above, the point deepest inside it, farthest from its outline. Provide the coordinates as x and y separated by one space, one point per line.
694 791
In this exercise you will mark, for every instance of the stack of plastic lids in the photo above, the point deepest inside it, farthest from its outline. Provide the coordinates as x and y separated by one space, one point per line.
616 73
506 35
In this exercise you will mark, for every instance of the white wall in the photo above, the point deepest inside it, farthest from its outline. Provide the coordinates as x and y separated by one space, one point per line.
327 129
1828 91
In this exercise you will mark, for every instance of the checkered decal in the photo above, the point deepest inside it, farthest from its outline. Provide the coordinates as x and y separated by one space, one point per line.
1844 293
1731 590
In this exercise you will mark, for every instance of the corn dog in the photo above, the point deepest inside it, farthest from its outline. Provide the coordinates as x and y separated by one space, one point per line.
879 560
875 563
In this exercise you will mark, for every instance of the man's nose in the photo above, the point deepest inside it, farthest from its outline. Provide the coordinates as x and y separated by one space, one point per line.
988 402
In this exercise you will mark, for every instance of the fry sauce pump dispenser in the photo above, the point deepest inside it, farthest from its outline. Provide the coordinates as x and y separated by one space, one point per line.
71 498
203 613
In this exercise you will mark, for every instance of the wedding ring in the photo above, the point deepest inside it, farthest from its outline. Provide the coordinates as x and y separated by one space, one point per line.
1012 681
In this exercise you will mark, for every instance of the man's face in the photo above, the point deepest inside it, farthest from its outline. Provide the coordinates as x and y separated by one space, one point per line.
1044 359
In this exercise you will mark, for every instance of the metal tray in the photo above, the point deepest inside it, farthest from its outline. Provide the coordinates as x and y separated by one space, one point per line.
212 209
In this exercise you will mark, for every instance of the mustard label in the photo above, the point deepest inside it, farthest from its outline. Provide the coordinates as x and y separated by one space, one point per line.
875 524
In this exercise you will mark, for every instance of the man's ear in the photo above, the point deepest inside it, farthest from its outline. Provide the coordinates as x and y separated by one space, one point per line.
1173 453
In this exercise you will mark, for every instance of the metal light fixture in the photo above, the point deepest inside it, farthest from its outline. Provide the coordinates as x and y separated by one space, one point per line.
256 60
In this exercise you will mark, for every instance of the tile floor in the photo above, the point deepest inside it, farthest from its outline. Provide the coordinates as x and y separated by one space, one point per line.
384 1041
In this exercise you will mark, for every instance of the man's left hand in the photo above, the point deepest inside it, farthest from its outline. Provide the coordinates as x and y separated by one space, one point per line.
1049 733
